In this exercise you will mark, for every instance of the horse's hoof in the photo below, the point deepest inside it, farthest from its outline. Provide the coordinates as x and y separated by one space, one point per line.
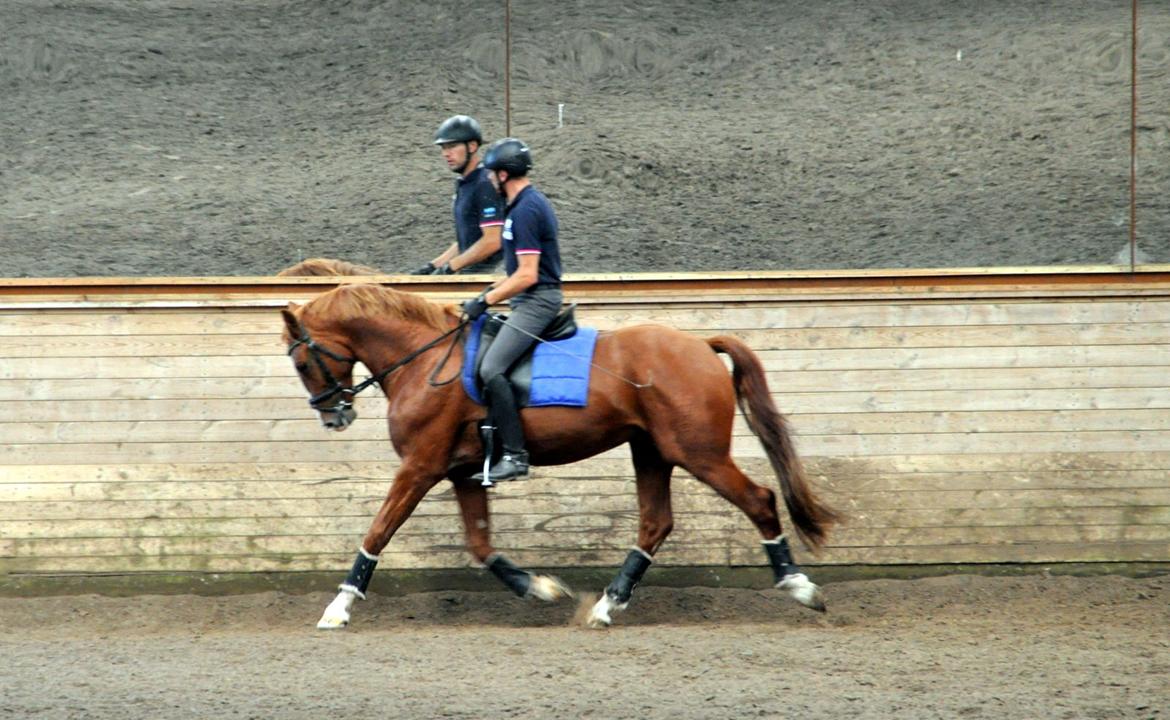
803 590
599 617
332 622
549 588
336 614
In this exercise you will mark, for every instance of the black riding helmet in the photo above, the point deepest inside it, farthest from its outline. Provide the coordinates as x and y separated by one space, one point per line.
509 154
459 128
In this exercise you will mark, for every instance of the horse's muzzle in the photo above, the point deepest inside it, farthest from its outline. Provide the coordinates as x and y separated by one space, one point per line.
338 418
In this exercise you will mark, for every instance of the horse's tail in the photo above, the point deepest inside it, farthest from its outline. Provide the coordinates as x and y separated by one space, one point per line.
811 516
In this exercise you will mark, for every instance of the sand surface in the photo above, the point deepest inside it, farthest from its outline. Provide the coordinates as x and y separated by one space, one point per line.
949 647
220 137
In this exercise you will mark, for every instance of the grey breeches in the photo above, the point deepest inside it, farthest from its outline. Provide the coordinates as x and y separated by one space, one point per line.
531 312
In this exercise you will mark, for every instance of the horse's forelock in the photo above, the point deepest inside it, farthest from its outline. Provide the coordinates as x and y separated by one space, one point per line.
349 302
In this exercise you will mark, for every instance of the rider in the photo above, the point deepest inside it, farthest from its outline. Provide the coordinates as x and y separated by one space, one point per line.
477 206
532 260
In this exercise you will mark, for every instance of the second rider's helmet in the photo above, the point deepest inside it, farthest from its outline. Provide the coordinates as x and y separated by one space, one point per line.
459 128
510 155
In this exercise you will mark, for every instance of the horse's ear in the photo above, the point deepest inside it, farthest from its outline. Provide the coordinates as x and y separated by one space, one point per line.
291 323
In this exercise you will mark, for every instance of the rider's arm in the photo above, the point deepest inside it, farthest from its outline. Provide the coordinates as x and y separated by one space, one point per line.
481 250
446 256
519 281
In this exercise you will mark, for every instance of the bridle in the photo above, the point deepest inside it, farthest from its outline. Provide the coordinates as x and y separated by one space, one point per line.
348 393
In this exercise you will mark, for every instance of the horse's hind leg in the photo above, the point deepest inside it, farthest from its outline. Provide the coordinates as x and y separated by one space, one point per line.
473 507
759 504
656 520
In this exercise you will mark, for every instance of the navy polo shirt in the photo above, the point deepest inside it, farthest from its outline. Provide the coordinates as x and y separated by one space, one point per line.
476 206
530 227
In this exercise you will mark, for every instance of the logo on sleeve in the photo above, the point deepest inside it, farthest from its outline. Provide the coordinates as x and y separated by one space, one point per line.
489 212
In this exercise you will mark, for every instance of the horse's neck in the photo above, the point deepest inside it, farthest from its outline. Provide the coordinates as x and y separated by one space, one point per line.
385 342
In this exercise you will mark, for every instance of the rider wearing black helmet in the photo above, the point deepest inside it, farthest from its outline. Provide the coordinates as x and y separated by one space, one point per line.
477 207
532 259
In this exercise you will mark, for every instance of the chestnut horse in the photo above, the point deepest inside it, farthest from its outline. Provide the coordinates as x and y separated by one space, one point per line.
664 392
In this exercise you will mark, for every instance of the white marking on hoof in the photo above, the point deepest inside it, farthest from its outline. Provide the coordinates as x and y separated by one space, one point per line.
336 615
548 588
803 590
599 616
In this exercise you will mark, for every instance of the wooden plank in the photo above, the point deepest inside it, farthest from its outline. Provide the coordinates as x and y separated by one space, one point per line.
953 336
578 539
608 475
897 314
277 365
612 523
813 407
678 311
853 487
268 342
961 358
285 385
742 447
1009 378
334 503
310 430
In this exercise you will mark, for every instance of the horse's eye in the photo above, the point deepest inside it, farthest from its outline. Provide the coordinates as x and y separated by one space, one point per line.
302 368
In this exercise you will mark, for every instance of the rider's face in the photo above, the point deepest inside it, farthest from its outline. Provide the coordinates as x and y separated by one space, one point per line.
454 154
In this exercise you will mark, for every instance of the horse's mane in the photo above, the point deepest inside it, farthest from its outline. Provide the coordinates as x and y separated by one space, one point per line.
324 267
350 302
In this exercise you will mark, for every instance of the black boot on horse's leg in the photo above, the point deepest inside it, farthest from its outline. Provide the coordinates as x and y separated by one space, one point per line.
513 463
524 583
789 576
617 595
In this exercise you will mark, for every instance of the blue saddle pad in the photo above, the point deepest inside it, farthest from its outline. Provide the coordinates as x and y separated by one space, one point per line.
560 369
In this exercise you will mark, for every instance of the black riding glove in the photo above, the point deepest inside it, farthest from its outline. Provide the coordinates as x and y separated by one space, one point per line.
428 269
475 308
444 269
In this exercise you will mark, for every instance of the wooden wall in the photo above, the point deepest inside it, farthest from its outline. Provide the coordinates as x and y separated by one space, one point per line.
959 418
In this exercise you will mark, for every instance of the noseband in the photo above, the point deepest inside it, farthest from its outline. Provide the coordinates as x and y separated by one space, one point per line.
348 393
335 386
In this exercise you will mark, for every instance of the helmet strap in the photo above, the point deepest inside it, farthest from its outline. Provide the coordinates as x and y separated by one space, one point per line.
466 159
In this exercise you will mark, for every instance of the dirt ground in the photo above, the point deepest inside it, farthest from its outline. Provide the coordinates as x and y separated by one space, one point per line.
948 647
220 137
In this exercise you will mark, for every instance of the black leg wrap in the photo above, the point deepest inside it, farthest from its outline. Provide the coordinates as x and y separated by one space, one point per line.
635 566
359 575
517 580
780 557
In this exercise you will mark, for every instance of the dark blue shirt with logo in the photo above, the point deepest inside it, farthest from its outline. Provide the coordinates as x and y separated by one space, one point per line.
530 227
476 206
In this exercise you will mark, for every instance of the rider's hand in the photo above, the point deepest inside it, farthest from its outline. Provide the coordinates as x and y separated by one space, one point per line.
476 307
428 269
444 269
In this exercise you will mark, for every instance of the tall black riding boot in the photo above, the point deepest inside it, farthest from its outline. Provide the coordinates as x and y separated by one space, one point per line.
513 463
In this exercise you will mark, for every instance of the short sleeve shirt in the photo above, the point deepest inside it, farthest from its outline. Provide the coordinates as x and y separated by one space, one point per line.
530 227
477 205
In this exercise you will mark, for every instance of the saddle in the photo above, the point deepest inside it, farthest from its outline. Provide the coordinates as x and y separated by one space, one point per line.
562 328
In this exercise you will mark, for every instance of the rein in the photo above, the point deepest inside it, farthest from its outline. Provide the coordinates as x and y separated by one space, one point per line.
335 386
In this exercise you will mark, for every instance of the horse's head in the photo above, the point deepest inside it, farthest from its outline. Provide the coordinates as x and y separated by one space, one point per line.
325 367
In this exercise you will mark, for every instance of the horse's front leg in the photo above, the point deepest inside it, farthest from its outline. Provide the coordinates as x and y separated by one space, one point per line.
473 506
410 485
